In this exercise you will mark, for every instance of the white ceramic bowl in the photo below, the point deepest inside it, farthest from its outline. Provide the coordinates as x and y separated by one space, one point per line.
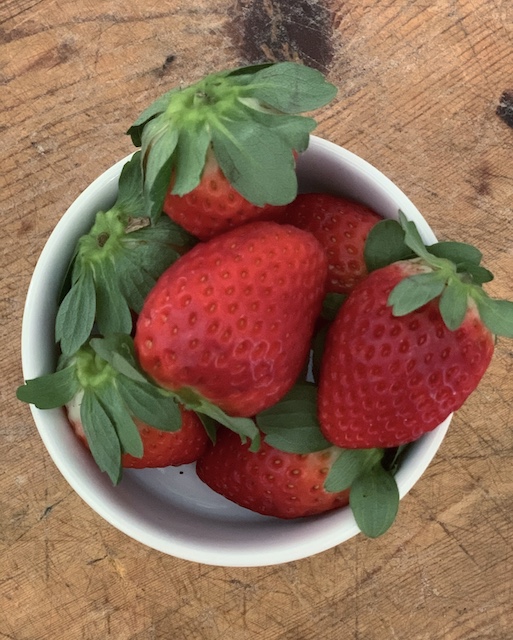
170 509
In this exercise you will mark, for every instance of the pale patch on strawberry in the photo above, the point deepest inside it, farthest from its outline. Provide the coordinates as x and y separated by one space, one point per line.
73 413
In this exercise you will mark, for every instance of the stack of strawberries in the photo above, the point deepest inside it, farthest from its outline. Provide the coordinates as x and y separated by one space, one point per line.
291 345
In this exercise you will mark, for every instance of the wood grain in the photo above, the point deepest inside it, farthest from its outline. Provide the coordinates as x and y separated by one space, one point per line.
419 87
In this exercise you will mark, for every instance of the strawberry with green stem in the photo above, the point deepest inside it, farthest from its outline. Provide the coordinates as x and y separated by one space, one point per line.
296 472
410 343
159 448
116 264
221 152
111 403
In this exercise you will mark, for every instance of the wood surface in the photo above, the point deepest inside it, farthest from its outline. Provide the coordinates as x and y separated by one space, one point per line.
425 94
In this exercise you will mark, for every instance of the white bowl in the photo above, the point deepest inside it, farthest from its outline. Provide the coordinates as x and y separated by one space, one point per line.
170 509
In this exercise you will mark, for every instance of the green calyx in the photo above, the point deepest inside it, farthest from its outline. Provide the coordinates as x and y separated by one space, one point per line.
211 416
116 265
103 377
292 425
92 371
450 271
249 117
104 238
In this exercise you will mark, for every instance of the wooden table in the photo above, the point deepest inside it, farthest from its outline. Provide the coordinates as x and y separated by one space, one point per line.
426 95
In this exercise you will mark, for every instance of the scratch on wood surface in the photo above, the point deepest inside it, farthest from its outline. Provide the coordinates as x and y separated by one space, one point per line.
10 9
119 567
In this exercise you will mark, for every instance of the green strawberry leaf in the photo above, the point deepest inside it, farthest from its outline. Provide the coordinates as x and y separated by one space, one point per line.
75 316
150 404
126 429
477 273
154 110
456 252
456 275
257 162
191 152
453 304
101 436
104 375
385 244
294 130
159 140
497 315
136 282
413 240
118 351
130 197
291 424
248 71
245 427
50 391
374 501
350 464
112 311
292 88
414 292
210 426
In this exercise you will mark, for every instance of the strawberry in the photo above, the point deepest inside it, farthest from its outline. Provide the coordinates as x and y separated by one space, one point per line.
231 320
295 472
341 226
214 205
408 346
270 482
115 265
169 448
222 151
122 417
160 448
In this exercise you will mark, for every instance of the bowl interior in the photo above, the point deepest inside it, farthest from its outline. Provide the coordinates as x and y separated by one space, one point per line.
171 510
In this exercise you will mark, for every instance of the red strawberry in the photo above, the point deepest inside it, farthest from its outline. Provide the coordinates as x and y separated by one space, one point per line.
231 320
214 206
170 448
270 481
221 152
387 379
161 448
341 226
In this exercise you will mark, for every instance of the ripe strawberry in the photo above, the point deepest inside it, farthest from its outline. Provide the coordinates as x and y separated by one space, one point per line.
161 448
341 226
231 320
123 418
270 481
214 206
221 151
408 346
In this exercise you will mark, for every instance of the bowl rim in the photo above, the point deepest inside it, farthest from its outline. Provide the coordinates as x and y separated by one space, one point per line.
417 461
